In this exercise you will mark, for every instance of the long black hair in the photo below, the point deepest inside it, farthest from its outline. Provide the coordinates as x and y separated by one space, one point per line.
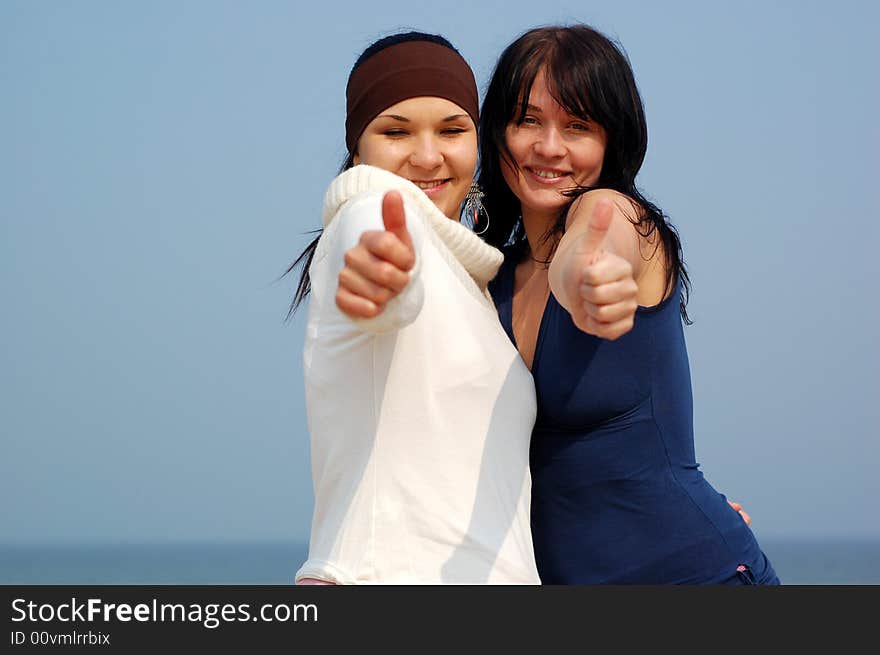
304 286
590 77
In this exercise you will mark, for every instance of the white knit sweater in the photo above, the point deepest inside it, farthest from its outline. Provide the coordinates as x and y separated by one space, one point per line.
420 419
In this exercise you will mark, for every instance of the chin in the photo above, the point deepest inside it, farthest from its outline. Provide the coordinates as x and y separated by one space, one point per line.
545 207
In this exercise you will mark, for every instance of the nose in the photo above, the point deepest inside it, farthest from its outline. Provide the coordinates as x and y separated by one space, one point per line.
426 154
549 143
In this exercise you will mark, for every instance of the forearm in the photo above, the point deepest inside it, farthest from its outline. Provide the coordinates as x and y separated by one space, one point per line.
564 274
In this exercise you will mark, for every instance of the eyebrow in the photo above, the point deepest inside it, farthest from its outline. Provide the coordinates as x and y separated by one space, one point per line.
538 110
404 119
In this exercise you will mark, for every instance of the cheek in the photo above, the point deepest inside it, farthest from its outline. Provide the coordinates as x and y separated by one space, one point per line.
589 162
379 153
517 143
366 153
466 158
514 142
510 175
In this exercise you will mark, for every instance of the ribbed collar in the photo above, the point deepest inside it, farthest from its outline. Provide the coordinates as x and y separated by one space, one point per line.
477 257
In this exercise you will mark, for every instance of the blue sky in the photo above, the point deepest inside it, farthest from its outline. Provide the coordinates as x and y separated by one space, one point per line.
161 162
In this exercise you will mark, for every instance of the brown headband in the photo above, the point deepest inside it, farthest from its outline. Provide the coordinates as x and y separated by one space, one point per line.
407 70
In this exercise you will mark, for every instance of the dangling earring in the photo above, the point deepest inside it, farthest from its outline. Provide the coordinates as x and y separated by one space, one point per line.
473 207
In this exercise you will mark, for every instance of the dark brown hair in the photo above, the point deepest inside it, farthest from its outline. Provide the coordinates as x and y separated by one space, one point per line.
589 76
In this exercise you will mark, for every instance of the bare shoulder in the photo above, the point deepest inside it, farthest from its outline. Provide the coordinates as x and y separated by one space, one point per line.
627 213
628 236
626 209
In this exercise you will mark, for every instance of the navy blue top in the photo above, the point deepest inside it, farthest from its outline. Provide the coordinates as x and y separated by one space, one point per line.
617 494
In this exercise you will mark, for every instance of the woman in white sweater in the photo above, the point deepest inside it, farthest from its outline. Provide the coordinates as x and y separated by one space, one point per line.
419 414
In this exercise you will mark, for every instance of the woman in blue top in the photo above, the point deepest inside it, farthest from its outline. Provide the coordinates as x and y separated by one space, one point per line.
593 293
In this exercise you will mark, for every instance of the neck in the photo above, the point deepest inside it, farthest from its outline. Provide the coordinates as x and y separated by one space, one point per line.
536 224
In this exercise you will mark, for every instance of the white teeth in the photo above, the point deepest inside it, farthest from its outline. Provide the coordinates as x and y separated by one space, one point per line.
550 175
429 185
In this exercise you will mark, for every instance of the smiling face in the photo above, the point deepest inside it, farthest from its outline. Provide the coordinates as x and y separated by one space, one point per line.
553 151
429 141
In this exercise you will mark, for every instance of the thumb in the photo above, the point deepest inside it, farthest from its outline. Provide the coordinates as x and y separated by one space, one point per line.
394 217
597 226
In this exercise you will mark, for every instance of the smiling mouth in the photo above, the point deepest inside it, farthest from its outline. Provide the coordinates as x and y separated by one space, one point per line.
547 174
426 185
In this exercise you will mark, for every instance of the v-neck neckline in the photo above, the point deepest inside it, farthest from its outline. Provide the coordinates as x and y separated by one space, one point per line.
542 326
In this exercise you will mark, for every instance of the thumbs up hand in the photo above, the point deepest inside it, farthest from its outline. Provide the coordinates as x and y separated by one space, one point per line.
598 285
394 220
377 268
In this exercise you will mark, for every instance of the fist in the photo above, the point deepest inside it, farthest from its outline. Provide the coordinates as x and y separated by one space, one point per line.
601 284
377 268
